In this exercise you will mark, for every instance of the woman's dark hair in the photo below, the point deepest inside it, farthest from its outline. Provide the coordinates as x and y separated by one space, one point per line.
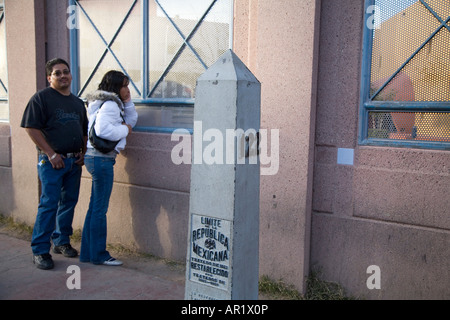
113 81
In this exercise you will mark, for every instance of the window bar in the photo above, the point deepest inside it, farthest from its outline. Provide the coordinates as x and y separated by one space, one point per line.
181 33
3 86
188 38
74 55
2 14
426 5
230 37
108 47
145 48
365 75
414 106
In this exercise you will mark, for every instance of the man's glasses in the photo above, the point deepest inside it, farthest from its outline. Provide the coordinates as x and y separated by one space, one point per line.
59 73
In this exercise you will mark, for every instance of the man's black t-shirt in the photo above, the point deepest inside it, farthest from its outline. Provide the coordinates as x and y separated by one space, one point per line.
62 119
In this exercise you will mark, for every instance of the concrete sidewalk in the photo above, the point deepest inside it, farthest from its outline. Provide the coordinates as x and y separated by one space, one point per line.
138 279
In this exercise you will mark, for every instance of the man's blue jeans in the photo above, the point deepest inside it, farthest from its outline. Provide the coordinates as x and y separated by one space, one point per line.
93 239
60 190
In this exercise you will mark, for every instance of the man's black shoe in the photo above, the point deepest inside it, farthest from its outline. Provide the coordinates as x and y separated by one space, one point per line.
66 250
43 261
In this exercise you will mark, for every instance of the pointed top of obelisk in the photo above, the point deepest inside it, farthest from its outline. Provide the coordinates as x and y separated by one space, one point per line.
228 67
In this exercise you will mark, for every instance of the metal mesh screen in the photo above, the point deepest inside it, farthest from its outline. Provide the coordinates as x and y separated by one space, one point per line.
425 126
411 63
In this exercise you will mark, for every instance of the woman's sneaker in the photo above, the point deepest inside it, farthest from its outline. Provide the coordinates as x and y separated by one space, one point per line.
112 262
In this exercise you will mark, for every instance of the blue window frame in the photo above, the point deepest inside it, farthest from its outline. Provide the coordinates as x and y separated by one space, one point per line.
405 86
4 108
162 45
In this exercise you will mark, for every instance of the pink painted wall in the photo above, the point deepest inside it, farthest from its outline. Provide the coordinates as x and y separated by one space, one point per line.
26 73
391 208
278 42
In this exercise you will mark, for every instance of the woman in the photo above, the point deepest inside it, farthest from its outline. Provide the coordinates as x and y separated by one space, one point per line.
115 116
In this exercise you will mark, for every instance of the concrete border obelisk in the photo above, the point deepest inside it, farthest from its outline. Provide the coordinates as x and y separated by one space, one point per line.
223 241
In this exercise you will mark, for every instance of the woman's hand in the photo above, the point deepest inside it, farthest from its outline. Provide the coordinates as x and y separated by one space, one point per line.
125 94
130 128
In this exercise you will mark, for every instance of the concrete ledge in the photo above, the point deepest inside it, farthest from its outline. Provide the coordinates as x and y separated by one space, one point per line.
5 145
6 191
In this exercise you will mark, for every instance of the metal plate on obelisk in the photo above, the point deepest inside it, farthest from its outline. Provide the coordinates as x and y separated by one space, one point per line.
209 260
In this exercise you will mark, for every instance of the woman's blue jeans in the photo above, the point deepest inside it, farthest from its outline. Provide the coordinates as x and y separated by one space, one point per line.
59 196
93 240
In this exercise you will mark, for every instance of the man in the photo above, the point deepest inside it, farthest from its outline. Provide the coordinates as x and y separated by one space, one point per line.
56 122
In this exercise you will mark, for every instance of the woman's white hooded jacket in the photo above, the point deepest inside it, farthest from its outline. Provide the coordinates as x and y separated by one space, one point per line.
108 109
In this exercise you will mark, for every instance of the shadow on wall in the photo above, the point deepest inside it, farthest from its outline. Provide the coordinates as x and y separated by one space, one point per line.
158 196
7 195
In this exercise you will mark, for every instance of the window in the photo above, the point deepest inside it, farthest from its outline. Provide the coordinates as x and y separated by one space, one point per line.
4 110
405 89
162 45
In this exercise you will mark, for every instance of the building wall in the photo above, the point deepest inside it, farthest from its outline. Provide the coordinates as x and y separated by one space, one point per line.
26 73
387 209
390 208
278 43
149 205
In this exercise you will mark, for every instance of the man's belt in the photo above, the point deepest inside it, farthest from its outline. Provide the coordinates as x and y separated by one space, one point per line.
65 155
